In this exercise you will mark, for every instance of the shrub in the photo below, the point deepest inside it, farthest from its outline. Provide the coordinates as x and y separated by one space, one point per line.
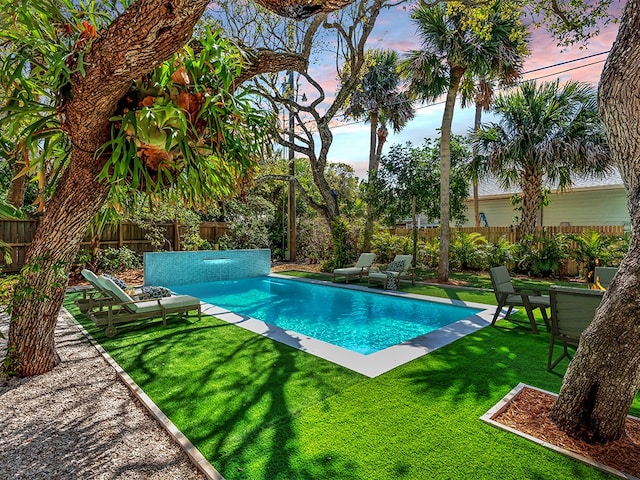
342 252
467 251
7 284
542 256
594 248
314 239
387 246
119 259
248 224
429 252
501 252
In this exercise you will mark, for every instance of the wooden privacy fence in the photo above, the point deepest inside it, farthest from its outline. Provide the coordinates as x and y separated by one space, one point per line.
19 234
493 234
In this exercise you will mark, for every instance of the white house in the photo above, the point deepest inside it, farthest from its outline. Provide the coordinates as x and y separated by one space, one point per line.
588 202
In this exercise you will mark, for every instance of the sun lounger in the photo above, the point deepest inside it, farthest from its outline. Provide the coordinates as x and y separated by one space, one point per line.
361 267
403 271
126 309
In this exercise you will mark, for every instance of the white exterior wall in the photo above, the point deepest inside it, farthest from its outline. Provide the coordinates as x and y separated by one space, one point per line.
593 206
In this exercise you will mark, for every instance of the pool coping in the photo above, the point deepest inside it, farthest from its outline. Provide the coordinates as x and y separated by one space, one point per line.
376 363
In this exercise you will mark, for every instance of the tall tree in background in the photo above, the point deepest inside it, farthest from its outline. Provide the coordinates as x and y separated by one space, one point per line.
414 171
450 49
480 93
379 101
545 131
313 119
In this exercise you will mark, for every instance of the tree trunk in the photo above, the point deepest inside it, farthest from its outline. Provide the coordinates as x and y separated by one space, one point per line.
531 185
17 187
475 167
445 174
116 58
604 377
373 173
41 289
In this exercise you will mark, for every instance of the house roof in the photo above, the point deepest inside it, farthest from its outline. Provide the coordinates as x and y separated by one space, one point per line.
490 187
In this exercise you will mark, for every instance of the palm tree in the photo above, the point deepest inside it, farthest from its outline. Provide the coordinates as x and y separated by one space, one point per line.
480 92
546 132
378 100
450 50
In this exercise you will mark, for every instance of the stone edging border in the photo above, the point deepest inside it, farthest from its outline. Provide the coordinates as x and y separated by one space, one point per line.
502 405
192 452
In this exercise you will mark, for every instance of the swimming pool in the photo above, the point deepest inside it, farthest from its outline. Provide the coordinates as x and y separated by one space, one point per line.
335 322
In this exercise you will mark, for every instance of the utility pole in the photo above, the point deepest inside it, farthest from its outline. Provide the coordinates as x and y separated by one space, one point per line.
292 182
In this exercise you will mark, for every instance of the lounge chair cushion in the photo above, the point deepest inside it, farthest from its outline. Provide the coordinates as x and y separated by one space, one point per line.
382 275
177 301
119 282
534 300
347 271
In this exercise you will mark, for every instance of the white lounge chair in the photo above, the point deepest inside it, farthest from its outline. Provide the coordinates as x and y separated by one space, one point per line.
404 272
361 267
126 309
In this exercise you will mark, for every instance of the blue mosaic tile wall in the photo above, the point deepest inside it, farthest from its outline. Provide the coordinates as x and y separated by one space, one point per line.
180 268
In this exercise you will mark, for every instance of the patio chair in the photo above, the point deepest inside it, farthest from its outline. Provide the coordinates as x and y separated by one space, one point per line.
361 267
126 309
403 271
509 296
604 275
95 297
572 310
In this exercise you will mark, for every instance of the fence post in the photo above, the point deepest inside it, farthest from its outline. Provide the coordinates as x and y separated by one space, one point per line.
176 235
120 235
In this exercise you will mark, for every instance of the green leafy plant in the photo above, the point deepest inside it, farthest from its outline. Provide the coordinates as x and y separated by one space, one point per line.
5 252
593 248
314 239
119 259
7 284
247 223
501 252
387 246
342 252
467 251
23 291
429 252
188 127
542 256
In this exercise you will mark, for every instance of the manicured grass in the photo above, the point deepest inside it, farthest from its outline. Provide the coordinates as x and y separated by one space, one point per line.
260 410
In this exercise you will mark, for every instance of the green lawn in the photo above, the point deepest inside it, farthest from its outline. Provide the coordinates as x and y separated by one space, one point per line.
260 410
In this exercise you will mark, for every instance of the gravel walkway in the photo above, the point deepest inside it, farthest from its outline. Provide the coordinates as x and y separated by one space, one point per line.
79 421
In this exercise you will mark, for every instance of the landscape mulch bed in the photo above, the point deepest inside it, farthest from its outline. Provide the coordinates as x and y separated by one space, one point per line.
528 412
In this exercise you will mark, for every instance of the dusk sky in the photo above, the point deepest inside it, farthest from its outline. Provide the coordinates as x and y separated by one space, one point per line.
395 30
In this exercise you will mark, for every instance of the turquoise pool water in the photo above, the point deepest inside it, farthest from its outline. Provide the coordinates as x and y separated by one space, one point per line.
363 322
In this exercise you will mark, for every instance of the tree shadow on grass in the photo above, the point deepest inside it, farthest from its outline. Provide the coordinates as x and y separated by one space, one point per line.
486 365
233 393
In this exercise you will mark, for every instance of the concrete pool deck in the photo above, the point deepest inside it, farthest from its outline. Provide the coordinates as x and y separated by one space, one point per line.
373 364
